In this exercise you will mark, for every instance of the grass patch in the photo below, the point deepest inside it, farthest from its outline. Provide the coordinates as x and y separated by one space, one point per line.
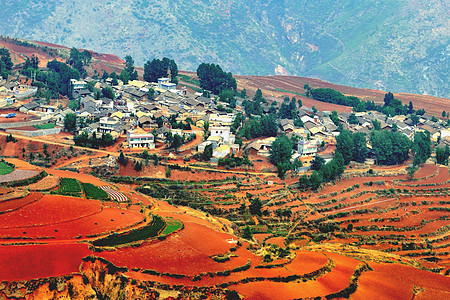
290 92
93 192
45 126
172 225
151 230
69 187
5 168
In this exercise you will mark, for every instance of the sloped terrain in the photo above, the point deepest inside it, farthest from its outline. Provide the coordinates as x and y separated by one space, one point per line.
389 45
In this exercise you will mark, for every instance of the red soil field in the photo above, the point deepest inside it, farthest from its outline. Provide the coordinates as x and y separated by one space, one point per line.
395 281
443 176
186 252
426 170
81 177
331 282
50 209
432 105
39 261
13 204
102 223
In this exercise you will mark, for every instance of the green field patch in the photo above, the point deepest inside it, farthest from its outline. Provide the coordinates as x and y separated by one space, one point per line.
172 225
150 230
45 126
288 91
5 168
93 192
69 187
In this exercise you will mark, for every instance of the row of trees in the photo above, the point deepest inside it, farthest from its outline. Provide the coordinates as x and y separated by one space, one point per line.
323 172
256 127
352 146
84 140
158 68
391 107
390 148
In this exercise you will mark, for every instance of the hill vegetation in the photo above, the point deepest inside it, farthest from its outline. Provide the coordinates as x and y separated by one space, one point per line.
389 45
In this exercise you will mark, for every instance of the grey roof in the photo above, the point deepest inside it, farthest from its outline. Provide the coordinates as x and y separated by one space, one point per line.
30 106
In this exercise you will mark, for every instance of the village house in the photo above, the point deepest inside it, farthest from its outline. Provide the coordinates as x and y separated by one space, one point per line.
107 124
307 148
224 133
138 138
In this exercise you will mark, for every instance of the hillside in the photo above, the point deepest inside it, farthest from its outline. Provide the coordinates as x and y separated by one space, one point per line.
271 86
401 46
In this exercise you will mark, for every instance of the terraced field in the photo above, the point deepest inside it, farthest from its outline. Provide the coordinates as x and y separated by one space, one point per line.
246 235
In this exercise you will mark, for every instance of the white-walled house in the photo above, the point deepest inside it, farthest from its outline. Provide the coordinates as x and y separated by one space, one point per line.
139 138
224 133
307 148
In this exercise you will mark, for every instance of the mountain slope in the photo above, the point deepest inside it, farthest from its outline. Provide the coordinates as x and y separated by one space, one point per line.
401 46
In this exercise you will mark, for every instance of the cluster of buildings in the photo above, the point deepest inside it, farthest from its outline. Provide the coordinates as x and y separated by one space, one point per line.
145 119
14 90
318 130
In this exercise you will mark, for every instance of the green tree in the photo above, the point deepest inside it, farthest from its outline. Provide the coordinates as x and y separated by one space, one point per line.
317 163
315 180
390 147
34 62
122 159
410 108
247 233
352 119
129 67
6 63
388 98
214 79
421 147
70 121
344 144
108 92
158 69
176 142
281 150
442 155
207 153
414 119
335 117
243 94
376 124
304 183
124 76
138 166
360 150
255 206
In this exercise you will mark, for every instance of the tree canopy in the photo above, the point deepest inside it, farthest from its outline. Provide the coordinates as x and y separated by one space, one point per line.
390 148
70 121
280 154
214 79
158 69
421 148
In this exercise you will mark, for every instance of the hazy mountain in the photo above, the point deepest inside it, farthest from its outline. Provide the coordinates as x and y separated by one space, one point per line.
396 45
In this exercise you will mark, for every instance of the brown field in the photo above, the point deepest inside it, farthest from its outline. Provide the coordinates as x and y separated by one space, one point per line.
273 86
